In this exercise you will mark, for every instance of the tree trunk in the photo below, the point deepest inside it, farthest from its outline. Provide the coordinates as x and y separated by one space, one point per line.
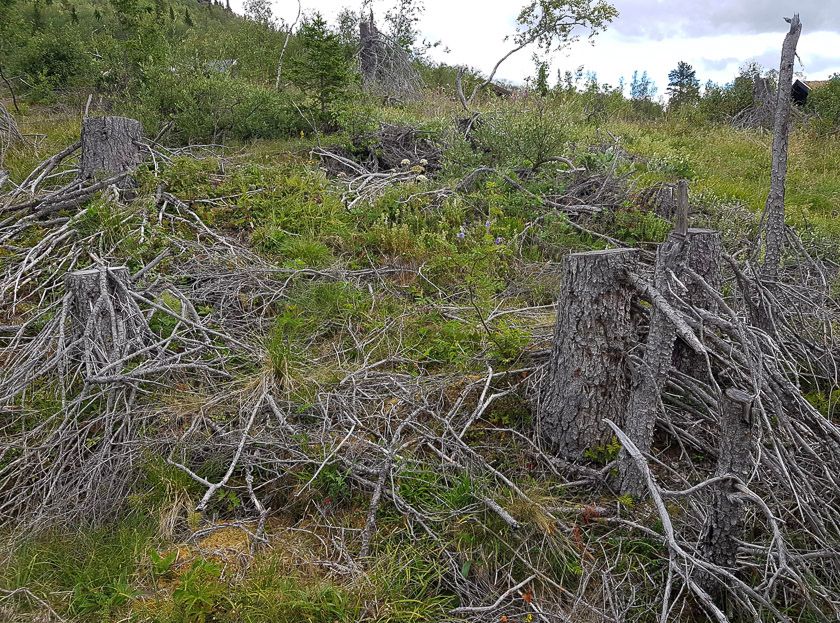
368 50
724 523
703 257
589 379
110 145
650 375
774 211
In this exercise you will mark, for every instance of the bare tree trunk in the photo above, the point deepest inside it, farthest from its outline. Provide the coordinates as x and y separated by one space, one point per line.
774 211
650 375
283 50
724 523
368 50
110 145
703 255
589 379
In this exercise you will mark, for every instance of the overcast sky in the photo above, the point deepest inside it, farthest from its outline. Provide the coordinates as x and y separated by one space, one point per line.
715 36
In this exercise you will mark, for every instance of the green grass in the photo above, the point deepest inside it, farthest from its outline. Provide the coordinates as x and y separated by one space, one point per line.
734 166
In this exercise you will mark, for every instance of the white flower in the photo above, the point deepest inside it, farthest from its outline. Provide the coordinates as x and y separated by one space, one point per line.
422 178
405 162
424 162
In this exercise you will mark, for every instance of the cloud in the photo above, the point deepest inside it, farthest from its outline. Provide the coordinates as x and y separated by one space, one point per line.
662 19
716 36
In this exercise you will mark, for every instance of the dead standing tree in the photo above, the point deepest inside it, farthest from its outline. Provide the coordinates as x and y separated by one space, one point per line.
386 67
774 211
589 380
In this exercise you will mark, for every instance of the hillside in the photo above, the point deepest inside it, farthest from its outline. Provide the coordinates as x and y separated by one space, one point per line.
297 356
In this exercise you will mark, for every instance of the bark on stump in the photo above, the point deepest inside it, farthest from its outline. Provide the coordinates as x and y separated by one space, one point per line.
105 323
110 145
589 380
703 255
724 523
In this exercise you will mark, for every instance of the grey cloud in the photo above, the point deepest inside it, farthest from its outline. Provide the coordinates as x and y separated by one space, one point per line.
819 65
659 19
719 63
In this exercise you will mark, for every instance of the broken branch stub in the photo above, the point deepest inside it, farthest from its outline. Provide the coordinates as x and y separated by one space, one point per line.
110 145
589 379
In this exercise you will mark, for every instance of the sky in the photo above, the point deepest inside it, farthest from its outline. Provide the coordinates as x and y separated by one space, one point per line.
715 36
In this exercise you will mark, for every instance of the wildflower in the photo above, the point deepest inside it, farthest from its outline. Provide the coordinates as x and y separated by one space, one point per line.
405 162
422 178
487 224
499 240
424 162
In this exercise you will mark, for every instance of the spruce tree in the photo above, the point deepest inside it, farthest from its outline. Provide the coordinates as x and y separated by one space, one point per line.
683 85
541 83
321 68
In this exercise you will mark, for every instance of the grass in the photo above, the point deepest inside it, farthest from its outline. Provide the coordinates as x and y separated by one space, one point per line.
734 166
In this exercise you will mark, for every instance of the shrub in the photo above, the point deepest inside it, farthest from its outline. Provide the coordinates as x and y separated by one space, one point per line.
52 60
212 107
825 103
526 133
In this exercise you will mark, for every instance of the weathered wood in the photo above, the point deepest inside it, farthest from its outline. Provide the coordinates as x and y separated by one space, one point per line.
774 210
724 523
703 255
589 379
650 375
99 314
110 145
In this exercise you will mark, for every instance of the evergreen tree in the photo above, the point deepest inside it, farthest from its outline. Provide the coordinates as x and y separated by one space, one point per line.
541 84
642 87
74 17
683 85
321 68
171 13
188 18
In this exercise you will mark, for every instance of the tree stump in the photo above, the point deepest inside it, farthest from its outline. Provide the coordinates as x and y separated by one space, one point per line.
703 255
589 380
724 523
104 322
110 145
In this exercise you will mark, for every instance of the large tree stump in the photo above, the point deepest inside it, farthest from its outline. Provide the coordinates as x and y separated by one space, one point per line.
703 253
589 380
724 523
110 145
